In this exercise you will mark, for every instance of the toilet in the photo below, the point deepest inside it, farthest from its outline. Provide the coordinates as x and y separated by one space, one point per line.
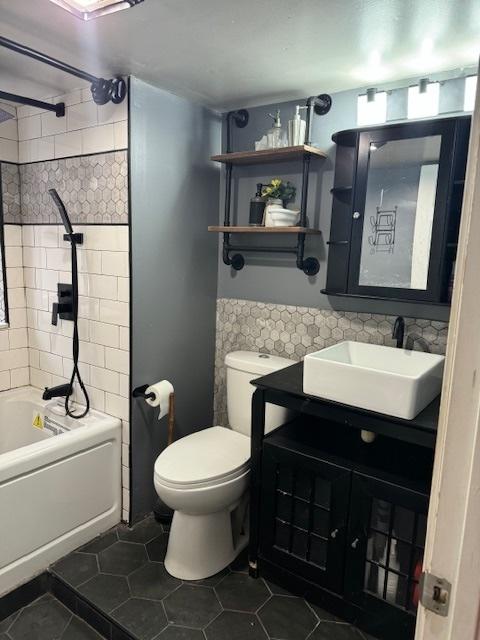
204 477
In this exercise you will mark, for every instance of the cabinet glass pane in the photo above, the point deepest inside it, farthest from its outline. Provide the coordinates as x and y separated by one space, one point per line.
398 216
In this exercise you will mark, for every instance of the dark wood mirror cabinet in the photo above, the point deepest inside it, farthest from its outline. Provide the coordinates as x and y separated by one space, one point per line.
397 201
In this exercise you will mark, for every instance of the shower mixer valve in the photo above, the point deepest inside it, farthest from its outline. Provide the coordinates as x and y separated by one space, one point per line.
64 307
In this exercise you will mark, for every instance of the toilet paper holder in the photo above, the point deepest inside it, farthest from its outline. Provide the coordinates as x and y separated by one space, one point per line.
140 392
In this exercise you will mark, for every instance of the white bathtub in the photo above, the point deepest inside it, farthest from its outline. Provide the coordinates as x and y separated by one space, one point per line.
60 482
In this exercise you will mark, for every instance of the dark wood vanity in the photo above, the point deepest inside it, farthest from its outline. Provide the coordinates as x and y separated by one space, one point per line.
333 518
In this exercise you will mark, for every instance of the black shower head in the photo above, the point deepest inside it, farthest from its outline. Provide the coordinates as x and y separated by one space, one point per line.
63 212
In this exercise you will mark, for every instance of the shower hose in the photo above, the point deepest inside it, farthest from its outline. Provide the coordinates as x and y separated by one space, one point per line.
76 345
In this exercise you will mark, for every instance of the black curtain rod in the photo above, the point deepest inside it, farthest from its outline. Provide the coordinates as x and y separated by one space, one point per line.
103 91
58 108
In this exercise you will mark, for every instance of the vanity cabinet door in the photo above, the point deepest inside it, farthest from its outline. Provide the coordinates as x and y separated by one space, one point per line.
385 550
304 515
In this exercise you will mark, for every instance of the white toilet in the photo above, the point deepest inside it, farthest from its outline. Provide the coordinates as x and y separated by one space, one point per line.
204 477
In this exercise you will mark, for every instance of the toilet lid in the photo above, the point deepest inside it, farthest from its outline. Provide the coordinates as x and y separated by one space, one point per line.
206 455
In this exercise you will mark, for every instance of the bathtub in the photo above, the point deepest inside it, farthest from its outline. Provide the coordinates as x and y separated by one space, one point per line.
60 482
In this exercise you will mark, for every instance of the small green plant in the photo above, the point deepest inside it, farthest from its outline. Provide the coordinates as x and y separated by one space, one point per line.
277 188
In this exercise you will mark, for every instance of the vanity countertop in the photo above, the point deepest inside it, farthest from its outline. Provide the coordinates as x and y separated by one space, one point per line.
285 388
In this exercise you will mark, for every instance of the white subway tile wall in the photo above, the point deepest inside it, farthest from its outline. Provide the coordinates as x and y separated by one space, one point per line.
86 128
14 363
105 360
9 135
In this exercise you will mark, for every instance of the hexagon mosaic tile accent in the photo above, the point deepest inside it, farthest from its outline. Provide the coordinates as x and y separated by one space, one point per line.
94 189
292 332
10 192
122 575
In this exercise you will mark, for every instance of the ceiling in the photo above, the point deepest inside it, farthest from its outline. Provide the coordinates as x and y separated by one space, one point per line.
224 53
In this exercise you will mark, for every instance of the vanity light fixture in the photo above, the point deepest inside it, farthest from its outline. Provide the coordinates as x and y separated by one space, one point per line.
89 9
470 91
372 107
423 99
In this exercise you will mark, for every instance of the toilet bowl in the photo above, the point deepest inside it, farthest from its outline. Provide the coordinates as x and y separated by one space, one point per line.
204 478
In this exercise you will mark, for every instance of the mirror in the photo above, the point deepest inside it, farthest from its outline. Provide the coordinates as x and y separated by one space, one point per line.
399 211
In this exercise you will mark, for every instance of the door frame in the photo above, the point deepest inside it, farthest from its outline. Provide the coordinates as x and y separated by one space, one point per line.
453 535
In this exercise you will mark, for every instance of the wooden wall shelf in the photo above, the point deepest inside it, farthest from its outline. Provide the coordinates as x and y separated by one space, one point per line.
224 229
269 155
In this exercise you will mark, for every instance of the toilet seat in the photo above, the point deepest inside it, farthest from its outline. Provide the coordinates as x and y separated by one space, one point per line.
207 458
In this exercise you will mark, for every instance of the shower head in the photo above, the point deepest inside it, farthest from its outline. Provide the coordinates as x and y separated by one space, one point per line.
5 115
63 212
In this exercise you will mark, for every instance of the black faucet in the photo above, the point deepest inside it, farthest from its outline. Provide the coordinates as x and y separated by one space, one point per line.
62 390
398 332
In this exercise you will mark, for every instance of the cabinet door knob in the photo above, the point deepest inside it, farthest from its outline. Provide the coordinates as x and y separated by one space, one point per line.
334 533
356 215
355 543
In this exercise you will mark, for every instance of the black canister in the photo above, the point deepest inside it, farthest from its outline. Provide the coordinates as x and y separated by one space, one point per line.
257 208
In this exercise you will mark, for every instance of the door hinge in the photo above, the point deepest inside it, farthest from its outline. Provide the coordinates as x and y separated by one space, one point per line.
435 593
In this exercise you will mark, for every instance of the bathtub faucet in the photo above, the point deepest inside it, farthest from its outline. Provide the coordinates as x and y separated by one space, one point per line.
62 390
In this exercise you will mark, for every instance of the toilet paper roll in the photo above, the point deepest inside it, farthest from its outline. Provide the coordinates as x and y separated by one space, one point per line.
161 392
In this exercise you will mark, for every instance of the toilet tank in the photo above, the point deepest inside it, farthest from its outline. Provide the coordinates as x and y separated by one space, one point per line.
242 367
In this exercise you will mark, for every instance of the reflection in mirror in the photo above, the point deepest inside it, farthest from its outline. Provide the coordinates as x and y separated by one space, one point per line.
399 211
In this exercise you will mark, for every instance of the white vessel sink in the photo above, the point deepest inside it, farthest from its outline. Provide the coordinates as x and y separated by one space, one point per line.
397 382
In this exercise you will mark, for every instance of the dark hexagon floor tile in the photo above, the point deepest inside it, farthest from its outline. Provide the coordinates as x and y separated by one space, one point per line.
122 558
144 619
192 607
212 581
180 633
152 581
287 618
233 625
79 630
240 592
7 622
157 548
322 614
335 631
43 620
100 543
3 636
76 568
142 532
105 591
276 590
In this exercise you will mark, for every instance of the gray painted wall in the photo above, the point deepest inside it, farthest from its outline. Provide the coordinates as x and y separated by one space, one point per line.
269 278
174 190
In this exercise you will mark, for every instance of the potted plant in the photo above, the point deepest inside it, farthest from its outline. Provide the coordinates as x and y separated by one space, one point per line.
278 193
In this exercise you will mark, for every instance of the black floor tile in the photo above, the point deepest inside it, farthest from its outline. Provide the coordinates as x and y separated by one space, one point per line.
152 581
100 543
192 607
122 558
157 548
212 581
7 623
335 631
143 532
322 614
276 590
44 619
77 568
3 636
105 591
232 625
240 592
287 618
144 619
79 630
180 633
